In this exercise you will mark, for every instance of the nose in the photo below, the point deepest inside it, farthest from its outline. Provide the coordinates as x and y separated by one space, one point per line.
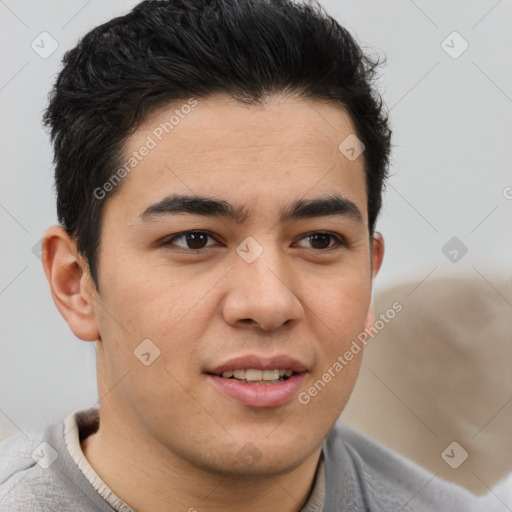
261 293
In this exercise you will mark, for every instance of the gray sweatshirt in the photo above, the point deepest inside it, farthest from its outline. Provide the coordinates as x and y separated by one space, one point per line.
47 472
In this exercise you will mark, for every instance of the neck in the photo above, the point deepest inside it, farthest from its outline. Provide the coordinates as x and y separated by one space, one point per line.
148 477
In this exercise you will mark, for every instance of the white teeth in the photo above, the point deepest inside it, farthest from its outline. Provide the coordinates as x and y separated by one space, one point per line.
253 375
239 374
270 374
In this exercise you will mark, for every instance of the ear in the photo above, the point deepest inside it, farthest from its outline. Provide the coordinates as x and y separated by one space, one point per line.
72 288
377 255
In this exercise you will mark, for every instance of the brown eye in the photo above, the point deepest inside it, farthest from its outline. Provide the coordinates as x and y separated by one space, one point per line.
193 240
322 240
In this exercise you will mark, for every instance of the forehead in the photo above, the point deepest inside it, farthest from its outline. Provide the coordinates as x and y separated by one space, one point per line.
246 154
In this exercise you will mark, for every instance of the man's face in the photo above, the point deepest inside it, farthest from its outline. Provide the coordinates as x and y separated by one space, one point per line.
259 292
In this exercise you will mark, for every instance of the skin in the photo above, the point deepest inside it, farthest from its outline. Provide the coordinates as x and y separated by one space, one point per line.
168 439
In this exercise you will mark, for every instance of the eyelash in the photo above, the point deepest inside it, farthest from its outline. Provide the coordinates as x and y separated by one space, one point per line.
339 240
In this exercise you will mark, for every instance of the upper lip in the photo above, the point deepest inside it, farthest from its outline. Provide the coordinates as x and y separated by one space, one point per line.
252 361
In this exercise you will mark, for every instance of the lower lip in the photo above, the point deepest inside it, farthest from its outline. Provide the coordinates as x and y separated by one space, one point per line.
260 395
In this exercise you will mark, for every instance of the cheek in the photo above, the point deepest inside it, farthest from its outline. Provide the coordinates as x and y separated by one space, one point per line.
340 320
341 300
156 303
342 308
146 313
145 299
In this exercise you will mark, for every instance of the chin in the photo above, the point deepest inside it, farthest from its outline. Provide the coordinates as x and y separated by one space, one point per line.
251 456
263 465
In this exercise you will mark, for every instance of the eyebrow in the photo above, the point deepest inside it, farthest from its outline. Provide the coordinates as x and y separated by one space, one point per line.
210 207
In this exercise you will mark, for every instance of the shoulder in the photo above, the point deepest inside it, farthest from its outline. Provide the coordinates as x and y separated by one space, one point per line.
18 455
21 477
387 481
37 474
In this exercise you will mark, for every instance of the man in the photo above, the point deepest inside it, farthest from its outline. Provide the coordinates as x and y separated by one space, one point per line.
219 171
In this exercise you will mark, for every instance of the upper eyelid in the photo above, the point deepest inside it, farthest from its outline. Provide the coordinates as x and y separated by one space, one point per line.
167 239
341 240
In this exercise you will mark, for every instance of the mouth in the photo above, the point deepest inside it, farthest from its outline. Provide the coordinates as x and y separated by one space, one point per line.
259 382
258 377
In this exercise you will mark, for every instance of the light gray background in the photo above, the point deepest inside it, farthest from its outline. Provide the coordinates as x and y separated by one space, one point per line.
452 121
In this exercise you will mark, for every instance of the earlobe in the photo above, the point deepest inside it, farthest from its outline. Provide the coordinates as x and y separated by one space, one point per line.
70 283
